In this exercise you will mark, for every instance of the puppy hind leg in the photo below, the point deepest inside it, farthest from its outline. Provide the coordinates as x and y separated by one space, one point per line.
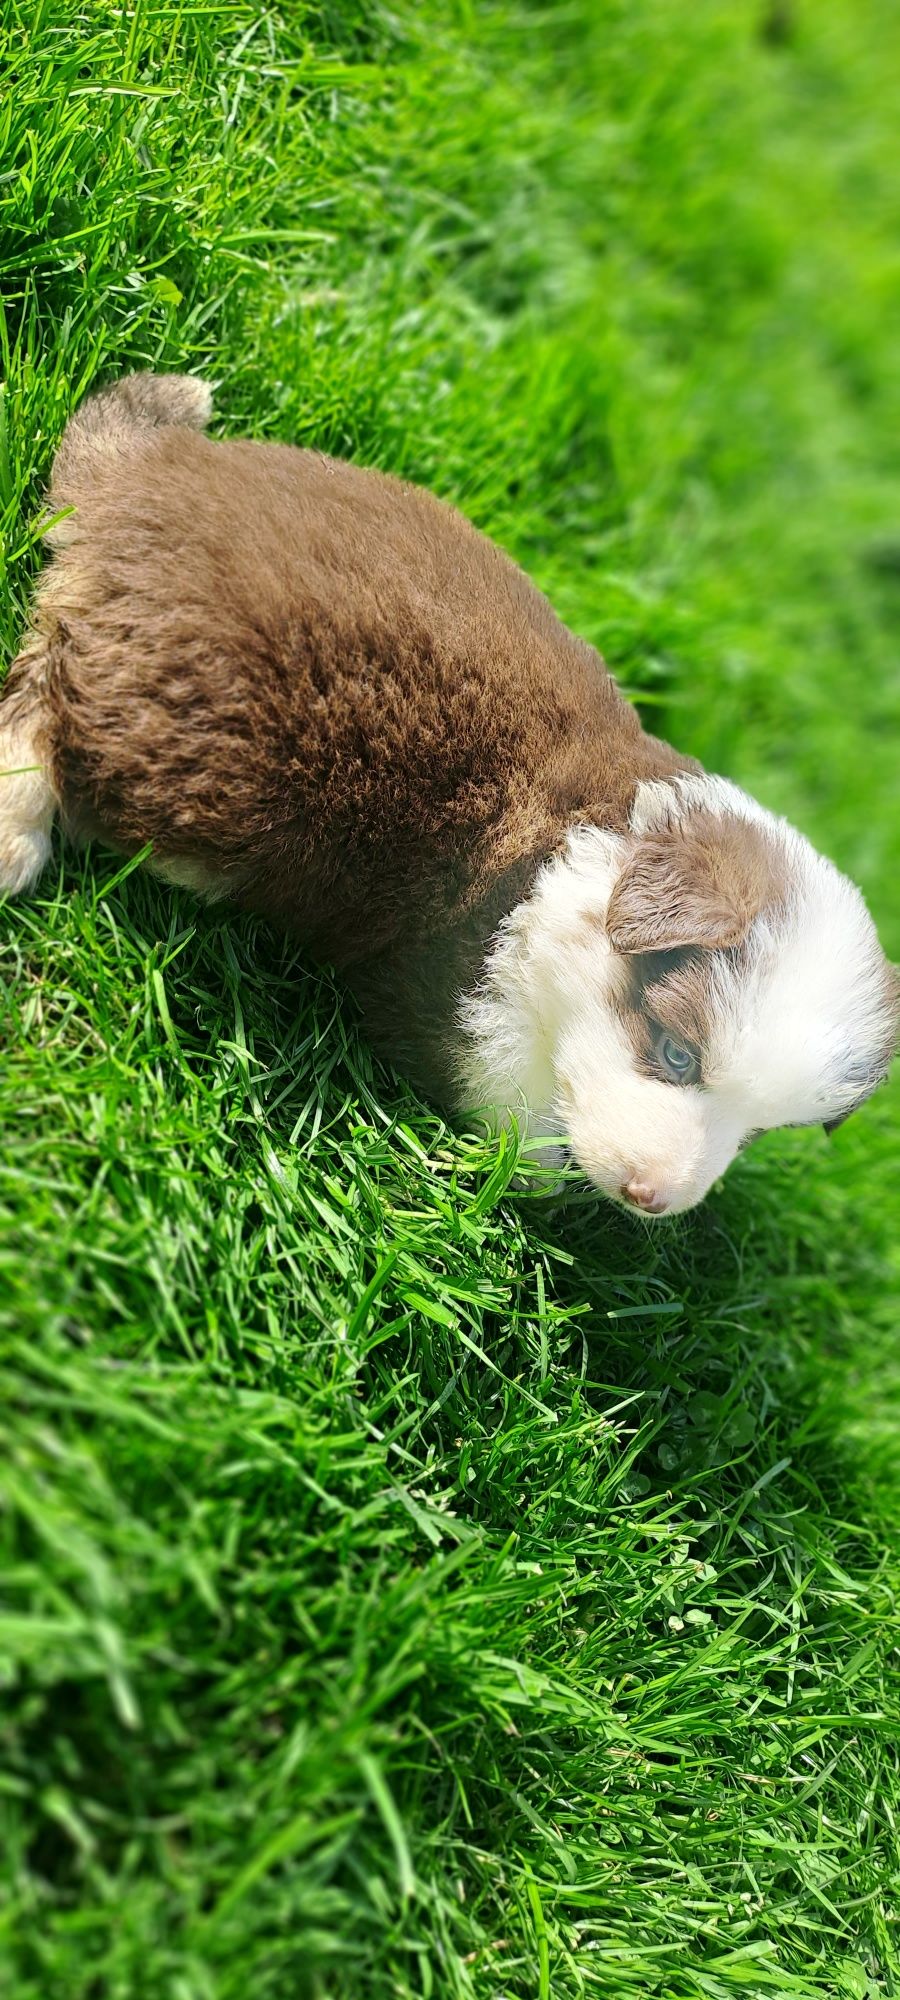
27 799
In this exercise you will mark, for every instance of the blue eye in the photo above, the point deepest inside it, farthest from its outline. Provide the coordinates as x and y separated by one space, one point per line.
679 1063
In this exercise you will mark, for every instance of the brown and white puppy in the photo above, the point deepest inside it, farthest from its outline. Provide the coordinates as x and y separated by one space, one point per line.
320 693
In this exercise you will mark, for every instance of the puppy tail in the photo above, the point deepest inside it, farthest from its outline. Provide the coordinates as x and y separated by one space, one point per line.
108 420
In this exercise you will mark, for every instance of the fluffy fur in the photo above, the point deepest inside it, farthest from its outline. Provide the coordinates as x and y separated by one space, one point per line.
320 693
788 1030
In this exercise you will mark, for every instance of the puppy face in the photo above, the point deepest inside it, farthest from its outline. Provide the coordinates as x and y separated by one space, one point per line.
666 995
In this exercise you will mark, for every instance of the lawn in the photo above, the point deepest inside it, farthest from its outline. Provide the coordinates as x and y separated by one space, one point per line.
411 1589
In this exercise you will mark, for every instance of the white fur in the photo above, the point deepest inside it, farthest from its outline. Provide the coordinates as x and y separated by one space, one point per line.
798 1037
27 805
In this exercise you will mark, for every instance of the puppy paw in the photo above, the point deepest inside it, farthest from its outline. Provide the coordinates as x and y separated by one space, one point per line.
27 806
23 857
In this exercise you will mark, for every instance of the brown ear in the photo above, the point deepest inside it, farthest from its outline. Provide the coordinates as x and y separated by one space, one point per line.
697 884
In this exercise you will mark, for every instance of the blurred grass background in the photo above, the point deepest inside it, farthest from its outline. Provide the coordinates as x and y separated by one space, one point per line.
407 1591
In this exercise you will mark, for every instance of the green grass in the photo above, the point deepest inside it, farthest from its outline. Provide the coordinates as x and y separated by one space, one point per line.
409 1590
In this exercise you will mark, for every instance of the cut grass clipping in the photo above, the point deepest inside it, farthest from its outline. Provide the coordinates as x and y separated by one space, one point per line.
410 1589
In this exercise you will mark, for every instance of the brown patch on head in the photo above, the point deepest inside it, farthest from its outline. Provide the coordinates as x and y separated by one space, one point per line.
641 1033
697 884
679 999
669 992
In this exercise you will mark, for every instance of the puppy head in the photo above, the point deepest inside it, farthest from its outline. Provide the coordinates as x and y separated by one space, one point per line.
673 992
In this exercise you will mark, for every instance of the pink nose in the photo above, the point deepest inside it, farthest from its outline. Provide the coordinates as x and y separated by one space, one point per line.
642 1196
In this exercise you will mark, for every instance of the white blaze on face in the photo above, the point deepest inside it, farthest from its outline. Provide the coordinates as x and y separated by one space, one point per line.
798 1017
626 1128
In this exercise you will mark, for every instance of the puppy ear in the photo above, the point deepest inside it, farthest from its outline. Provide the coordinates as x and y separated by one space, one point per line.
698 884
